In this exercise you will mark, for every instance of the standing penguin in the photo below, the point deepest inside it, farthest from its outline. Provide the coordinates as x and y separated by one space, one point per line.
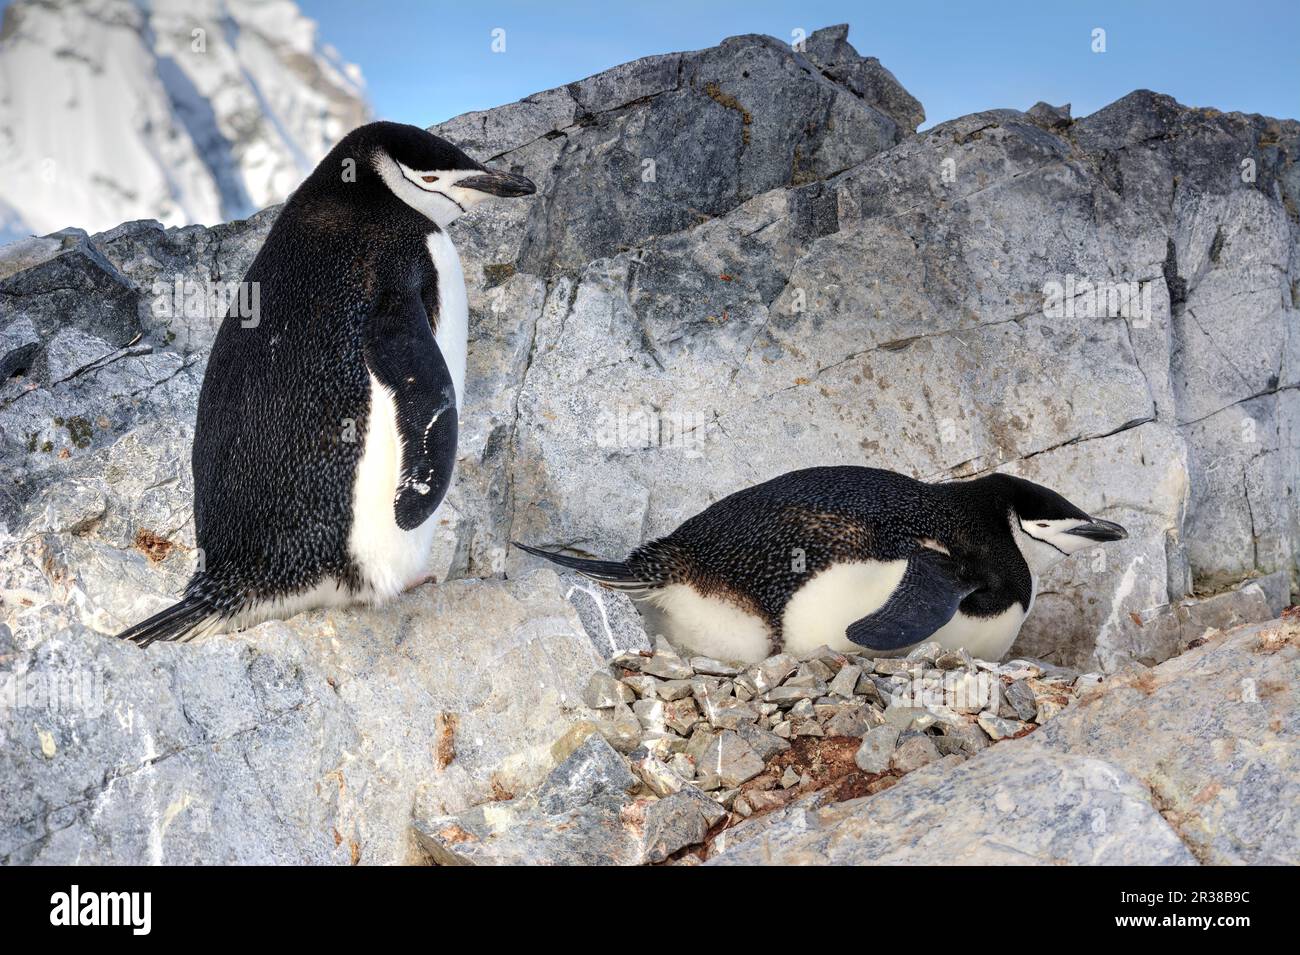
326 431
852 557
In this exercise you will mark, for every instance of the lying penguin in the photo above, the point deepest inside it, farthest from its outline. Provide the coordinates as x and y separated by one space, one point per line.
852 557
327 423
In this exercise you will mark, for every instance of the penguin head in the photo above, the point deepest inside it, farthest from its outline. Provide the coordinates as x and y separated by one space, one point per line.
1046 526
426 172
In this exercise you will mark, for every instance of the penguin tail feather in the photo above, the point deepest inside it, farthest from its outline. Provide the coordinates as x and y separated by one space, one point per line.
615 574
183 621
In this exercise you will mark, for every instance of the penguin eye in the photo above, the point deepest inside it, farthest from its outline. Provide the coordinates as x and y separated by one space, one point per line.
429 178
1042 524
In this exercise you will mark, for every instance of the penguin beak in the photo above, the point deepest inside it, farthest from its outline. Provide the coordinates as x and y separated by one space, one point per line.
503 184
1098 530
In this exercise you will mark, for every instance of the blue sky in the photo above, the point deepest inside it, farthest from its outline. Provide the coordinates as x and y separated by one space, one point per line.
427 61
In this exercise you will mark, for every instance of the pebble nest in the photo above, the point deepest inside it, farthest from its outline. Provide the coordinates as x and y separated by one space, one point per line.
754 737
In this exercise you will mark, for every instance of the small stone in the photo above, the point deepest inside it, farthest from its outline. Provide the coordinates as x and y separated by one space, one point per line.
682 765
646 687
630 660
774 670
650 713
604 692
742 692
1020 669
816 670
679 820
845 683
669 690
966 738
957 659
782 729
792 694
711 667
667 667
909 717
764 742
623 729
730 760
789 778
807 728
763 800
1021 697
891 666
926 652
913 753
655 773
876 749
831 658
1000 728
709 692
730 714
680 715
868 690
803 710
662 745
853 721
699 743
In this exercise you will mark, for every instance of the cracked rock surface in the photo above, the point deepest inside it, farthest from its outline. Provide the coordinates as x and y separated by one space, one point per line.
740 260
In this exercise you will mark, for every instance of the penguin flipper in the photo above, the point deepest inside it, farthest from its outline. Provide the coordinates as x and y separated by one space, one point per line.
924 600
615 574
181 621
403 355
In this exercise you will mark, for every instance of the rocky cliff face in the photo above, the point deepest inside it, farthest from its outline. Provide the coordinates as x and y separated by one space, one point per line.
178 110
740 261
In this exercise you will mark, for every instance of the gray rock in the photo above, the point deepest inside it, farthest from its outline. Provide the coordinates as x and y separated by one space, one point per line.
877 748
1021 697
604 692
594 769
518 833
659 778
765 743
853 721
677 821
729 760
1016 805
913 753
710 667
845 682
999 728
667 665
609 617
306 741
1213 735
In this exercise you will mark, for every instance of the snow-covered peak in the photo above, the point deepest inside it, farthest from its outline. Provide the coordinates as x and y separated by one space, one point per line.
178 110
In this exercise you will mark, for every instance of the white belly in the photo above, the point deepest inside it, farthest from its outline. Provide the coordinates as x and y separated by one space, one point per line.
821 610
710 626
452 335
986 638
390 559
819 613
